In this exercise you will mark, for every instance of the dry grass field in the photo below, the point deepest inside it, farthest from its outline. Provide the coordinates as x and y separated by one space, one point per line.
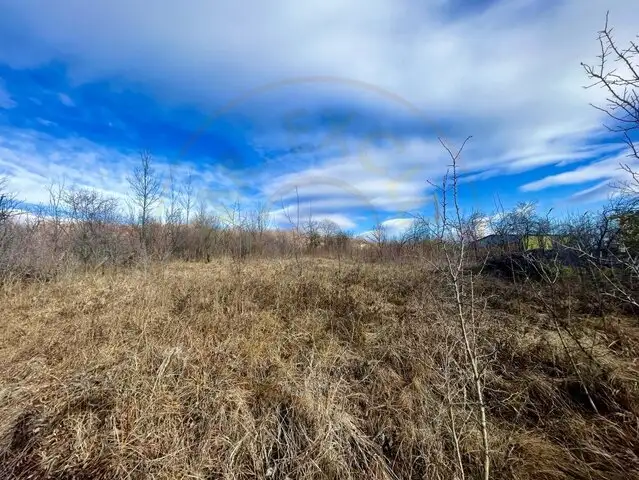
297 370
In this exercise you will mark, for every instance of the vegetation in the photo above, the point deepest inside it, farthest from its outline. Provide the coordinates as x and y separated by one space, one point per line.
346 371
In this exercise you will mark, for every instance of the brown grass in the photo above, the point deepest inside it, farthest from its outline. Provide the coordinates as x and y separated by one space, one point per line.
274 369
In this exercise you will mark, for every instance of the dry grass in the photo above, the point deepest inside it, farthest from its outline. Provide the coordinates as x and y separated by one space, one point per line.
271 369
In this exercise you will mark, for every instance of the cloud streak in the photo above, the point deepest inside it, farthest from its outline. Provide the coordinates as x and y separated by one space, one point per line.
609 170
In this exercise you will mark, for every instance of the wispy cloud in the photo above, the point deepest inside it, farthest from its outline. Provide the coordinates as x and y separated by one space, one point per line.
33 160
66 100
5 99
608 169
597 193
377 181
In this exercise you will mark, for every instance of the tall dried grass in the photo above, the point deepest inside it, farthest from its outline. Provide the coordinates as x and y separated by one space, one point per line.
310 369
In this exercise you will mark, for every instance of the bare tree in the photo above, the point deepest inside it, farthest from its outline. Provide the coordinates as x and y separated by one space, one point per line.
601 244
173 212
294 221
55 212
146 192
329 230
311 231
521 221
202 210
8 208
617 73
474 226
334 239
595 233
379 236
235 220
8 201
257 222
205 227
417 239
474 229
258 219
187 196
173 217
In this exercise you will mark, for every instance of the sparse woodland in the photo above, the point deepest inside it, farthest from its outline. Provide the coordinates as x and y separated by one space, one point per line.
195 345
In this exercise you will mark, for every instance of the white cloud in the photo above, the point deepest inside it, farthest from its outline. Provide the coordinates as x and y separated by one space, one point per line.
45 122
608 169
342 221
516 64
32 160
66 100
395 227
382 180
597 193
287 217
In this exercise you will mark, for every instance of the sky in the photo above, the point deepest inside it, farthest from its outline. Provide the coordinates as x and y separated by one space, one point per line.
335 106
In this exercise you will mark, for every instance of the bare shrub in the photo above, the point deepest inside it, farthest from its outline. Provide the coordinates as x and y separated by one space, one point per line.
146 193
454 232
92 230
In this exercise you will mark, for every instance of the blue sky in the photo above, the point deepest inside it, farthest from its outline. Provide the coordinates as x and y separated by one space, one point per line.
341 102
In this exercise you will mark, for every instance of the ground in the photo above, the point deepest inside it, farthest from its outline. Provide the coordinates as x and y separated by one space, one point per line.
314 368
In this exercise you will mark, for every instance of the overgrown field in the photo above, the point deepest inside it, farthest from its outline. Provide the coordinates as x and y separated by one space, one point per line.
313 369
